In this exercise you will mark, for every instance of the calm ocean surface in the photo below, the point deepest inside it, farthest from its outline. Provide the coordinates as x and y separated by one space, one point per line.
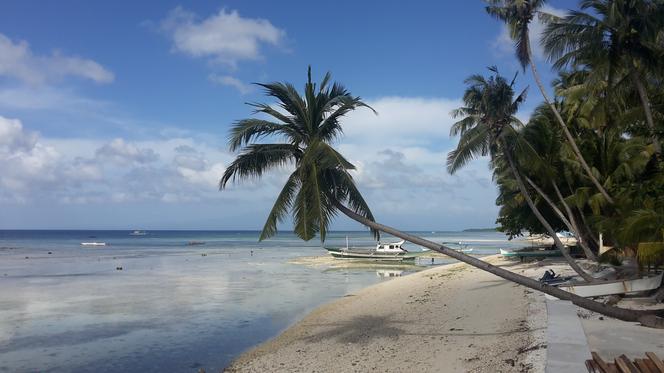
172 307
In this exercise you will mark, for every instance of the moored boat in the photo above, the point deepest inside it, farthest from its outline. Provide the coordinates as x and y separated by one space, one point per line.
93 243
611 287
542 239
382 252
530 252
138 233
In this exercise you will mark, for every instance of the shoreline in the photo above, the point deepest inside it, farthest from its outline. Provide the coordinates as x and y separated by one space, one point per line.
433 320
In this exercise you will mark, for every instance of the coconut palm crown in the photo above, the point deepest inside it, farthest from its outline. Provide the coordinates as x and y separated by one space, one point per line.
517 15
488 117
306 126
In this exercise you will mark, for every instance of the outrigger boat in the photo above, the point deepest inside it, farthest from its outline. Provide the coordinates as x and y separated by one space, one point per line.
546 240
531 253
610 287
382 252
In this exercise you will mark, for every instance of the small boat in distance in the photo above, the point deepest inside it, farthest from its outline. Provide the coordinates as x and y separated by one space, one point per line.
195 243
138 233
382 252
93 243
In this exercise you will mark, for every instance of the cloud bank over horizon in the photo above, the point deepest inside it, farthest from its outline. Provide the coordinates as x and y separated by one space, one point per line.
400 169
92 138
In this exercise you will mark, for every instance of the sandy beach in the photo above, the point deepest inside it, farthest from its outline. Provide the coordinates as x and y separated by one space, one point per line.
446 319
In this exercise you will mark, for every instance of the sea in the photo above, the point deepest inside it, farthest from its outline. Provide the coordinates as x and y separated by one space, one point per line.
157 303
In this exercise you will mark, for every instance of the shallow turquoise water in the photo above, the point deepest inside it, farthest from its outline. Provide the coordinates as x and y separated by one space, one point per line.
172 307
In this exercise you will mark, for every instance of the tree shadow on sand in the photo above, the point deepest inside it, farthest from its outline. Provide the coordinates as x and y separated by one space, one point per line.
358 329
362 329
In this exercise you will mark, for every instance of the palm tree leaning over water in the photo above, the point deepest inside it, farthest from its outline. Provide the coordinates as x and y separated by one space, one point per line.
488 128
321 185
307 125
517 15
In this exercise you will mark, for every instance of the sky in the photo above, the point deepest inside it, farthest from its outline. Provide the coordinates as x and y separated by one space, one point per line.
115 115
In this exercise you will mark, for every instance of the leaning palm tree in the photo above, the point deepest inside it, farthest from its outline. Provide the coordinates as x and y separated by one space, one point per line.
541 133
307 125
620 34
488 127
321 184
518 14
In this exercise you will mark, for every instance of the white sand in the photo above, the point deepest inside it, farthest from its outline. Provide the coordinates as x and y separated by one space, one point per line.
451 318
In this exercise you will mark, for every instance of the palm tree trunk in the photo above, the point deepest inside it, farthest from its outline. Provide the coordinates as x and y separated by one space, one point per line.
570 226
588 230
586 250
548 200
643 95
584 224
568 135
522 187
646 318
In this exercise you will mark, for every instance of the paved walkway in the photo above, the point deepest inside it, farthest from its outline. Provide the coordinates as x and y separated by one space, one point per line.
567 346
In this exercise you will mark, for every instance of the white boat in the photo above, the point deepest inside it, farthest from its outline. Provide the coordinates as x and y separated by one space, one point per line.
137 233
538 252
543 239
93 243
382 252
614 286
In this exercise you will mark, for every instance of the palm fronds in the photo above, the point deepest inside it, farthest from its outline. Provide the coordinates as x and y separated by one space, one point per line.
305 125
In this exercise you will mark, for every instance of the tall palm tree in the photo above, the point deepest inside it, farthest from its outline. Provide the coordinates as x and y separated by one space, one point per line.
542 134
312 122
307 125
518 14
488 128
620 34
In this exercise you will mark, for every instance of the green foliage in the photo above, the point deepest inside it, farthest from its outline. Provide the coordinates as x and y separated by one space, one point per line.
488 119
651 254
306 125
602 53
612 257
517 15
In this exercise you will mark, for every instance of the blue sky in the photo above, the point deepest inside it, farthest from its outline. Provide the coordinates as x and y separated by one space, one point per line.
115 114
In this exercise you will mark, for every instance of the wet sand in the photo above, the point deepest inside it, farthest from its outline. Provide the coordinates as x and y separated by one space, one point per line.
446 319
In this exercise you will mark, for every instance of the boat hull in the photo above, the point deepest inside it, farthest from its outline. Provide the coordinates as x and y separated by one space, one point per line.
614 287
532 254
369 255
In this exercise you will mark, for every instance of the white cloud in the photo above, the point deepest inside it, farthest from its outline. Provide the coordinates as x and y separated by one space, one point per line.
400 156
36 169
24 161
401 121
120 151
229 81
225 37
504 45
18 62
12 137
